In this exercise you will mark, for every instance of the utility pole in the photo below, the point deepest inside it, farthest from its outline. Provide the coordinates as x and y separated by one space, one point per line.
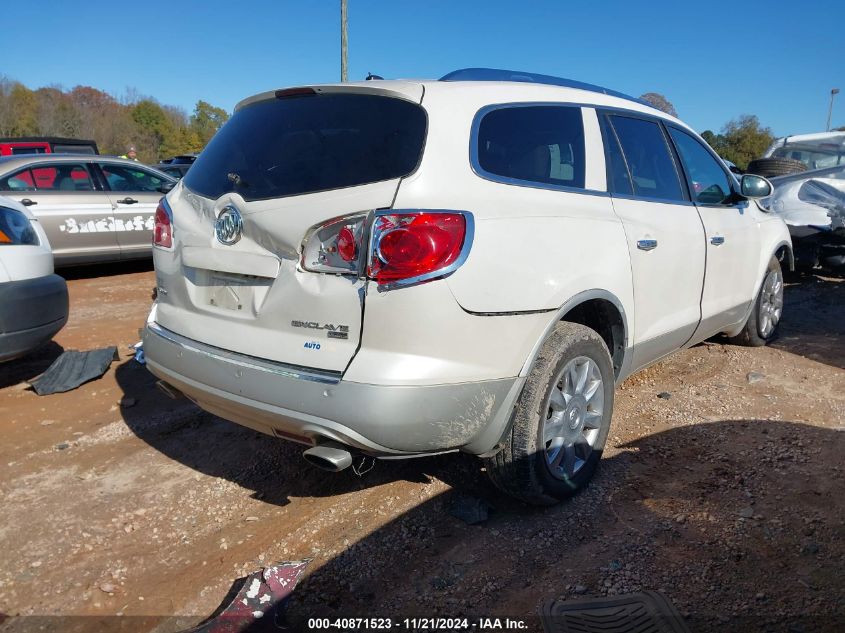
833 93
343 41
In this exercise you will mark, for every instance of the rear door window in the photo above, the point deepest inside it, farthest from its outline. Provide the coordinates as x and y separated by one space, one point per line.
126 178
62 177
73 149
541 144
647 156
315 142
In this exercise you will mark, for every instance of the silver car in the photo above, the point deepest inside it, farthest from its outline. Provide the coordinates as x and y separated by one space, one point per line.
93 208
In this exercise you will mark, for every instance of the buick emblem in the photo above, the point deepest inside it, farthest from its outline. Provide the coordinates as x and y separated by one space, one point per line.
228 226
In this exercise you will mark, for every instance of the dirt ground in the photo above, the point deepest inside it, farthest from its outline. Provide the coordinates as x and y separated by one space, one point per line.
726 493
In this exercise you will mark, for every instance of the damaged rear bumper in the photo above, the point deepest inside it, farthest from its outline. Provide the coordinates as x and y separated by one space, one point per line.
311 406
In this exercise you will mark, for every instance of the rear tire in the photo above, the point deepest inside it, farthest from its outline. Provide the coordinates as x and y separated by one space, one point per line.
561 421
762 323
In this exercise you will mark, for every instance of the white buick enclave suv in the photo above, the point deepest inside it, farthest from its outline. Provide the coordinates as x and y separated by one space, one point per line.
399 268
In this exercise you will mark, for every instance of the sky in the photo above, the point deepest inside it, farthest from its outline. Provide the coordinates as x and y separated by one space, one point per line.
713 60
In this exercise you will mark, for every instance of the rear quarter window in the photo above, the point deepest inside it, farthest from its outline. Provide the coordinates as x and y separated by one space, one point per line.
304 144
534 144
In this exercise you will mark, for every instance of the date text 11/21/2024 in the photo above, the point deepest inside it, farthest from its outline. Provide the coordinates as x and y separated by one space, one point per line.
481 625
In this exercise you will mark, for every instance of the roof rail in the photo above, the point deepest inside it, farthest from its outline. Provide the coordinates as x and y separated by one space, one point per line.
494 74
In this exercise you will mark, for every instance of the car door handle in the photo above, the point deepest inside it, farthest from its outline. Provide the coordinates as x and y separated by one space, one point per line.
27 202
646 245
128 201
717 240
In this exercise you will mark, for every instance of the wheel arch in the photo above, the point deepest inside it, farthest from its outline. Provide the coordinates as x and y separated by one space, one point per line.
783 250
780 251
597 309
604 305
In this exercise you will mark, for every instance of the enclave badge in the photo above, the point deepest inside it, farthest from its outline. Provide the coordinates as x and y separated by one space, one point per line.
334 331
228 226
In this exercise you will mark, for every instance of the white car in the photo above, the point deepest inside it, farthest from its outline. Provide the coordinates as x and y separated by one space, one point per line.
33 300
812 204
403 268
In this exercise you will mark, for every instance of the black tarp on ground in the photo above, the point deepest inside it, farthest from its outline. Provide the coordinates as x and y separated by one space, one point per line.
74 368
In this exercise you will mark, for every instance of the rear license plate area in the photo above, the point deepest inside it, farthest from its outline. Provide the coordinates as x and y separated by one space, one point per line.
230 291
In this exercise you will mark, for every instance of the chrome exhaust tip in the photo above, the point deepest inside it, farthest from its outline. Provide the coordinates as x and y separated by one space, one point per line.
330 456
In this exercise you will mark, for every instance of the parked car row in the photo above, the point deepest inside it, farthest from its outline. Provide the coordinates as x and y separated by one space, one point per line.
87 208
92 208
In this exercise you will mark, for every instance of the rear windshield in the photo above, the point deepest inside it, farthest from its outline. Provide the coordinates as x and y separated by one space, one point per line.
73 149
304 144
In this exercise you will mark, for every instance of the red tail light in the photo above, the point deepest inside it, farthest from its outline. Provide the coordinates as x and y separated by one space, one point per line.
414 246
346 246
163 231
335 246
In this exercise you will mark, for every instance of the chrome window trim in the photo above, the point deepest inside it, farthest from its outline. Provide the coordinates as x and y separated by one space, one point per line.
437 274
506 180
247 362
626 196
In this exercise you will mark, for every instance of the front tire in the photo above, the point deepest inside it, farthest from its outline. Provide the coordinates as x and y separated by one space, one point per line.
762 323
561 421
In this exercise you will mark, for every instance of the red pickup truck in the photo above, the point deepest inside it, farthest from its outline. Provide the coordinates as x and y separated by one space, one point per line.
46 145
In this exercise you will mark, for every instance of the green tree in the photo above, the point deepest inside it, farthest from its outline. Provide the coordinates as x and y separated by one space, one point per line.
19 112
742 140
156 127
657 100
206 120
709 137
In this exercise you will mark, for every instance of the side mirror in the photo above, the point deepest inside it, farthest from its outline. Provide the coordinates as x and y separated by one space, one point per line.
753 186
167 186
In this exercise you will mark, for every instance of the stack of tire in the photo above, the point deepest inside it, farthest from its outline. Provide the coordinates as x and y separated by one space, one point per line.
771 167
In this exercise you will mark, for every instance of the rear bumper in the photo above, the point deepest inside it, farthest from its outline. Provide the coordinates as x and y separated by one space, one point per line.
31 312
312 406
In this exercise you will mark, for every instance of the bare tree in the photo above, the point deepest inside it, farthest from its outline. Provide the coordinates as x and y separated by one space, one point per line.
660 102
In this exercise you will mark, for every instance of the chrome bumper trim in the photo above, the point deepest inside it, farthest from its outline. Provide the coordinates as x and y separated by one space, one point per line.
247 362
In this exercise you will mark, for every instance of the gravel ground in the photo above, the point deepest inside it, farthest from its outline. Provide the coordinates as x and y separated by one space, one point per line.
721 486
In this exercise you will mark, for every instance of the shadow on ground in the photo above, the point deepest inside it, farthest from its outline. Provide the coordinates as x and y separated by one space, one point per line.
274 469
813 323
27 367
110 269
738 522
